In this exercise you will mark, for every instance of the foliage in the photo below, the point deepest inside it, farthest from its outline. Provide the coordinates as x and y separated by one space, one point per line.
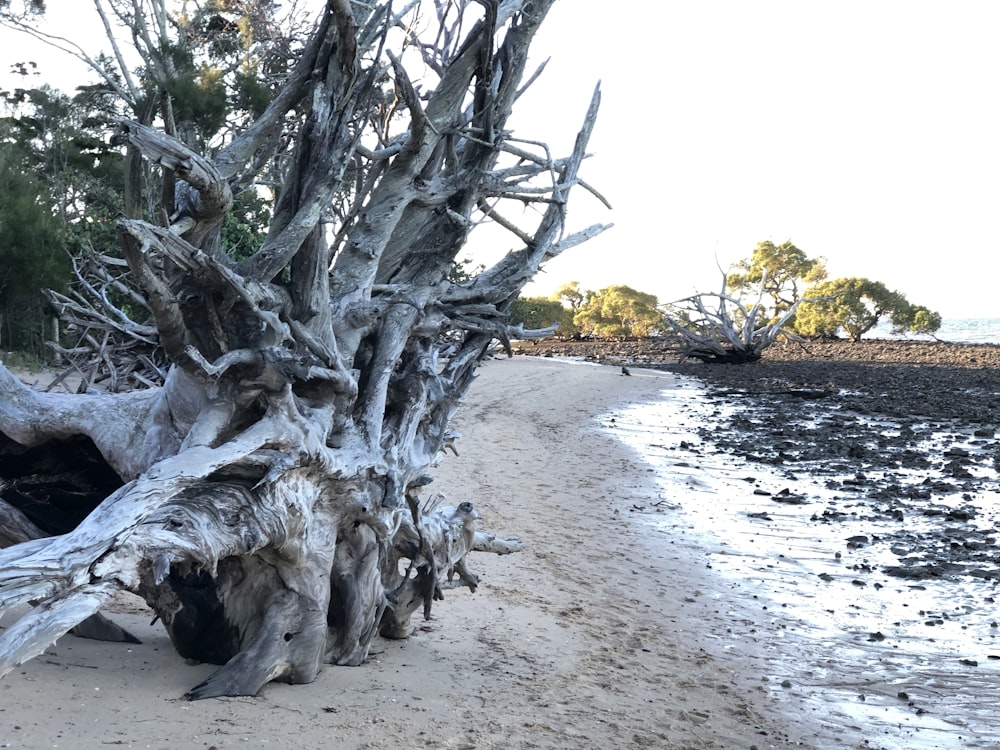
856 305
246 225
66 142
919 320
463 270
250 95
62 149
199 97
612 312
619 312
541 312
572 296
778 271
31 252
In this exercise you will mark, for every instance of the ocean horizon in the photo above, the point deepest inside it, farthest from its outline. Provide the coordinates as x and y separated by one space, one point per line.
953 330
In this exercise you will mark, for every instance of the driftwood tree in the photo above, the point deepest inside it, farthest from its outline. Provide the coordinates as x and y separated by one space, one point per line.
718 327
268 499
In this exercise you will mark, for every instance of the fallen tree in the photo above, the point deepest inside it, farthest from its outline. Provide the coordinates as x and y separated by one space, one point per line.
718 327
267 499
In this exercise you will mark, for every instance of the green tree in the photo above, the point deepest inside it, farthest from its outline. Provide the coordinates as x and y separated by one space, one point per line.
781 269
64 142
246 226
856 305
32 255
541 312
916 319
571 295
620 312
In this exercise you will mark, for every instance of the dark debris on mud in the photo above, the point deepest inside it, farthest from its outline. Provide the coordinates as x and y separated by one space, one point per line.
911 379
908 427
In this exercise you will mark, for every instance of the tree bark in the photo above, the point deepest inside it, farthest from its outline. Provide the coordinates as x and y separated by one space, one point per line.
267 501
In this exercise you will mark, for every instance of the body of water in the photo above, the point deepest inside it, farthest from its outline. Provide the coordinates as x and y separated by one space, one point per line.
905 664
959 331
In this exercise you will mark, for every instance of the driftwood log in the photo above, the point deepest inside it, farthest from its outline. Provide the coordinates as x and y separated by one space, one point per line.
266 498
719 327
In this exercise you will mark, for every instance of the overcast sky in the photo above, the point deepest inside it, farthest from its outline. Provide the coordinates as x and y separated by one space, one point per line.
867 132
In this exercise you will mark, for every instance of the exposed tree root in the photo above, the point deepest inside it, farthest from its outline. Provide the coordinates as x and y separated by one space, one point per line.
263 496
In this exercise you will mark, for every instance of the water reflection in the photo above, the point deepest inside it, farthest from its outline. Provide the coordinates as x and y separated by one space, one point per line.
910 663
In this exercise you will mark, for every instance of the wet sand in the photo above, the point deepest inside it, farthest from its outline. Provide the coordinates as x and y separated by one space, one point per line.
606 631
870 567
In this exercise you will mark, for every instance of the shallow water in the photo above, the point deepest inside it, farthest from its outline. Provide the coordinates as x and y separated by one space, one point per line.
958 330
905 664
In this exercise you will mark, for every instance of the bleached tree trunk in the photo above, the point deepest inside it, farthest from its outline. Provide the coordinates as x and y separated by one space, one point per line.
720 328
270 506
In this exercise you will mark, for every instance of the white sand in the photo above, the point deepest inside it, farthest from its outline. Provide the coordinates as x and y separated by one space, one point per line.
592 637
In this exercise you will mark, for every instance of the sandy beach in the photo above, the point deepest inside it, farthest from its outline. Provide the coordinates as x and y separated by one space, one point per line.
602 633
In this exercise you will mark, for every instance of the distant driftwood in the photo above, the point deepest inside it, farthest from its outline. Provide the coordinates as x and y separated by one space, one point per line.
717 327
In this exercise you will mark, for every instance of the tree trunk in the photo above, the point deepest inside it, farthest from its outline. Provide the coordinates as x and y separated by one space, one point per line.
266 499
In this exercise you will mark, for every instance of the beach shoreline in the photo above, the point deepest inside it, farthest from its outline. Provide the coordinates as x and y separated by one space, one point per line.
860 485
599 634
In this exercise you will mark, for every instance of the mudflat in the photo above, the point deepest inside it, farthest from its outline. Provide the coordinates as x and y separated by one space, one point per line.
901 378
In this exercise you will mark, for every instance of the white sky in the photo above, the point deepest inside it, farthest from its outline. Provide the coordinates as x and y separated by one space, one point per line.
866 131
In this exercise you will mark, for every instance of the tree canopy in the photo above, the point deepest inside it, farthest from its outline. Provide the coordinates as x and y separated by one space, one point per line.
619 311
856 305
781 271
542 312
572 295
612 312
32 255
792 282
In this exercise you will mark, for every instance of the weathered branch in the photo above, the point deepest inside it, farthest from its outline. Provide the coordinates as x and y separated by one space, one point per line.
729 333
266 500
507 276
197 213
260 135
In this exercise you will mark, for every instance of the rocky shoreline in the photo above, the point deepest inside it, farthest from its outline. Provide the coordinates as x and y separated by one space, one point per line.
932 380
910 426
886 451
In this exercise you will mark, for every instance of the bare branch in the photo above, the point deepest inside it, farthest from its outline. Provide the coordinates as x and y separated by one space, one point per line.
266 499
